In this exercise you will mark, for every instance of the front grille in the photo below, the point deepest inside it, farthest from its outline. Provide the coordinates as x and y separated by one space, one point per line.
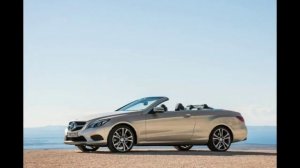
78 125
77 128
76 139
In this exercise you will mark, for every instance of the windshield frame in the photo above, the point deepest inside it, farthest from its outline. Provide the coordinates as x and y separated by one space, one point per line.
147 109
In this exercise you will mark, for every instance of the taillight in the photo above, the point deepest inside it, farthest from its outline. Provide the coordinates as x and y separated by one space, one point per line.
240 118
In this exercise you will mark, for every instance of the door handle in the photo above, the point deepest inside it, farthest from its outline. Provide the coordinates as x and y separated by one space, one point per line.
187 115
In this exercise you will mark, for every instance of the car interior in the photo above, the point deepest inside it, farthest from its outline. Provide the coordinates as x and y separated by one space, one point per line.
198 107
164 107
180 107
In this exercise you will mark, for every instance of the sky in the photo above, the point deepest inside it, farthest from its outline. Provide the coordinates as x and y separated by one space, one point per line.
86 57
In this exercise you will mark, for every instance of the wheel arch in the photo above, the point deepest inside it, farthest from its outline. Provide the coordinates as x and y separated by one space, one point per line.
223 125
128 125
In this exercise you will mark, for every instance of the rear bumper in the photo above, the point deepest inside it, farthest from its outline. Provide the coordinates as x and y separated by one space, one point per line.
240 134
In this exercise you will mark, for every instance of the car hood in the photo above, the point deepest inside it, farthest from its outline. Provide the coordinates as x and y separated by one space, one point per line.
102 115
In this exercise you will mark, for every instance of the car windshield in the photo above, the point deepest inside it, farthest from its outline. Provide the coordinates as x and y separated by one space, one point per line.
139 104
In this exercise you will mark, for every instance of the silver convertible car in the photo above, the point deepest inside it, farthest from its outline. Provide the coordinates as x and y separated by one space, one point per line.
148 121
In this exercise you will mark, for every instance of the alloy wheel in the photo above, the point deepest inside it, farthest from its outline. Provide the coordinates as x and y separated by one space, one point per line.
183 147
122 139
221 139
85 148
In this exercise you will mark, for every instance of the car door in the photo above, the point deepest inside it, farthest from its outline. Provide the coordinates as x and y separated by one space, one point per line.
169 126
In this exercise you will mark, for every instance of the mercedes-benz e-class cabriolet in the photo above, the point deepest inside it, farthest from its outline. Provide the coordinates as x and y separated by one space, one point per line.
148 121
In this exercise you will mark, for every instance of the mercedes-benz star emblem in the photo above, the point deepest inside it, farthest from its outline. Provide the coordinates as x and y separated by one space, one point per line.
72 126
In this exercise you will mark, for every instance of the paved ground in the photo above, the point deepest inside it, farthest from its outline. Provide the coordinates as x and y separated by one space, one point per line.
154 158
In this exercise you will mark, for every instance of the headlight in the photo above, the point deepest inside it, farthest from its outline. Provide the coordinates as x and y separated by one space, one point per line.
97 123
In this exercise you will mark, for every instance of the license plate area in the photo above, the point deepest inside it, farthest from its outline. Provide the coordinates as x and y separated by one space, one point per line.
72 134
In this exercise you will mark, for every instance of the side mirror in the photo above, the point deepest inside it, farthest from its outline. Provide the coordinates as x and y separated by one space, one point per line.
158 110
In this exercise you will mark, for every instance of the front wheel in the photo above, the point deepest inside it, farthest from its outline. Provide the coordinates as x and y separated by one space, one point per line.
121 139
220 139
85 148
183 147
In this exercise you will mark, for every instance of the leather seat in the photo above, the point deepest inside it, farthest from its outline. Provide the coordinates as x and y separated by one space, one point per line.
164 106
179 107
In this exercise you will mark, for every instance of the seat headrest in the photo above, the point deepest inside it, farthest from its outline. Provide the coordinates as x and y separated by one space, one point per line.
179 107
164 106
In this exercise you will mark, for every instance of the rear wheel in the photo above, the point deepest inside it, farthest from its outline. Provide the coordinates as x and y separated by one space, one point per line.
85 148
220 139
121 139
183 147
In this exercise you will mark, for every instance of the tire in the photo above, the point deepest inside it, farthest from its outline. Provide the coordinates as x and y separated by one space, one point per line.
183 147
220 139
121 139
84 148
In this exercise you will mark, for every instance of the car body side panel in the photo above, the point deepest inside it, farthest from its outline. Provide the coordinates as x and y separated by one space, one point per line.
136 121
170 126
207 120
203 126
215 118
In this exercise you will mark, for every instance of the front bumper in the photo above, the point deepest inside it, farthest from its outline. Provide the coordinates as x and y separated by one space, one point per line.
85 136
85 143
